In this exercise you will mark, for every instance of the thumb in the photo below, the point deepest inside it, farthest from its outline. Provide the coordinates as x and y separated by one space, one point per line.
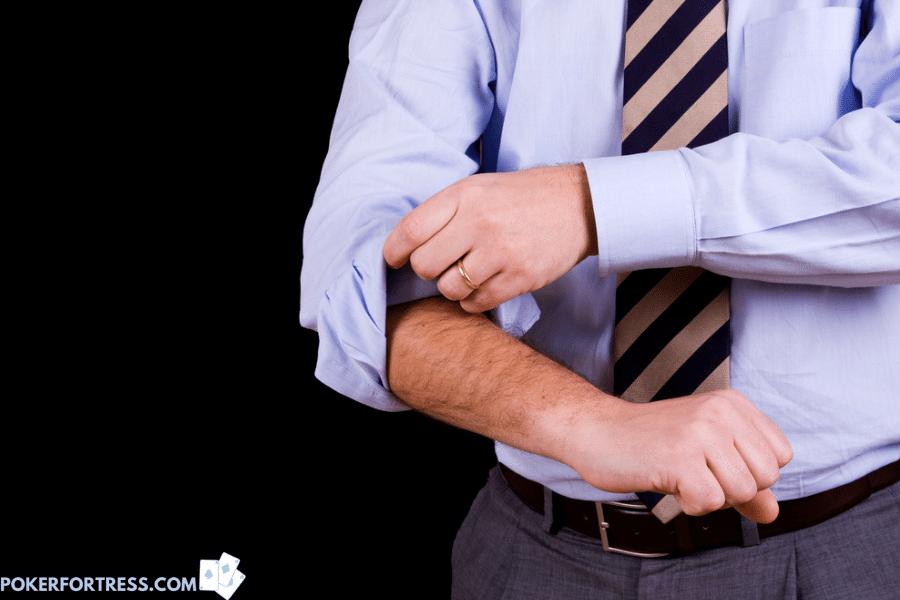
762 509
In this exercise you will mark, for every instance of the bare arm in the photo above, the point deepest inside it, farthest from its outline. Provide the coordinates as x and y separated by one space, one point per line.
462 369
709 450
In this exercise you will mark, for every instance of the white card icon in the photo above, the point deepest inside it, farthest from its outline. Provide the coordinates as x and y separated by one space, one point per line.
233 584
209 574
227 566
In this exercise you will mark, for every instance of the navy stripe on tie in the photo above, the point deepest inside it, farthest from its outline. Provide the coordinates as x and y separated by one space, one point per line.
634 287
636 8
716 130
698 367
661 46
675 318
679 100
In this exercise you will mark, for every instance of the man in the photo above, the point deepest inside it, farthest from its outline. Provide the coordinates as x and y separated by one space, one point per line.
687 227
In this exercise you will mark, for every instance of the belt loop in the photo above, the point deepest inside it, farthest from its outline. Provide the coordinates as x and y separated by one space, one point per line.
549 513
749 532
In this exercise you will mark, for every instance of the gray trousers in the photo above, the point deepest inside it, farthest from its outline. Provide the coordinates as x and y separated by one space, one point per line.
502 551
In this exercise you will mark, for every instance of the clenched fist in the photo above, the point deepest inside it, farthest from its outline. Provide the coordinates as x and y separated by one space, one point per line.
710 450
515 232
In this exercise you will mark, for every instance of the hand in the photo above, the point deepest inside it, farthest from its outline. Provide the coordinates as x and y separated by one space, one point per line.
517 232
710 450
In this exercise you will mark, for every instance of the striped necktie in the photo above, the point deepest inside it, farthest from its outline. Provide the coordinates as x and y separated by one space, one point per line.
672 333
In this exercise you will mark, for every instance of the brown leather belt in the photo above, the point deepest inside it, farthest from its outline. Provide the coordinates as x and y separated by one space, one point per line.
629 528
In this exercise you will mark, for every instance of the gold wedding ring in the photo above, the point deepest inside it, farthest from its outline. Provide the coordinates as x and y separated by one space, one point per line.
465 276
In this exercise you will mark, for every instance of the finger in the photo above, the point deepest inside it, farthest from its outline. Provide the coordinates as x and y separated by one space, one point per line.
699 492
758 456
732 473
452 285
441 252
481 267
418 227
762 509
776 439
778 442
490 294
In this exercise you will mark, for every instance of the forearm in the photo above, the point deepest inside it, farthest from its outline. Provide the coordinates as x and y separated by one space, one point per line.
461 369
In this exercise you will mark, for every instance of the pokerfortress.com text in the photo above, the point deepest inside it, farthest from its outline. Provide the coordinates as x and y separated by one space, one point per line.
98 584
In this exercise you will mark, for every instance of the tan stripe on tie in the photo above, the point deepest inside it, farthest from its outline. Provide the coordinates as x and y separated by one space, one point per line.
642 315
679 349
697 116
646 26
673 69
716 380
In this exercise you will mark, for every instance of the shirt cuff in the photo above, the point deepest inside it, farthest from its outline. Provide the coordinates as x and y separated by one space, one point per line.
644 211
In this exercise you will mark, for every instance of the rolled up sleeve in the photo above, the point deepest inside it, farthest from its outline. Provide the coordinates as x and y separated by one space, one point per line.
415 101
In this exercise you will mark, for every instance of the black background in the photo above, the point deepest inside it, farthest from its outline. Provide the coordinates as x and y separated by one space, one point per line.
160 405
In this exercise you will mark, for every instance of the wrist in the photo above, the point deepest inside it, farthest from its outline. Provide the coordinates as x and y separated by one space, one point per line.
579 429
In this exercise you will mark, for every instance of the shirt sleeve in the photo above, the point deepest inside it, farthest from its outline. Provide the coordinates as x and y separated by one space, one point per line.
415 100
821 211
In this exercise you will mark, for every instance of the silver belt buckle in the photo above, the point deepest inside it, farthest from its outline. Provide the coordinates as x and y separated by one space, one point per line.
604 526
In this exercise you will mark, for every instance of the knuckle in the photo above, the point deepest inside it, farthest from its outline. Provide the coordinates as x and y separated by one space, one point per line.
713 414
485 301
412 228
699 494
739 400
447 290
786 455
711 500
736 396
718 405
421 266
517 273
489 221
703 504
471 305
456 296
743 492
720 399
710 495
701 429
768 477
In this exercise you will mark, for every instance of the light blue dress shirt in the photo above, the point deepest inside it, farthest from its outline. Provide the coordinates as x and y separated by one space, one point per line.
801 206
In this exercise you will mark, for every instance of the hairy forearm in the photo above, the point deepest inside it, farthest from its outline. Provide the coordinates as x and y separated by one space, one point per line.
462 369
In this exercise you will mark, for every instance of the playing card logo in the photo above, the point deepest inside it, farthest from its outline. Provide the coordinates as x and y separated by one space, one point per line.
221 576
